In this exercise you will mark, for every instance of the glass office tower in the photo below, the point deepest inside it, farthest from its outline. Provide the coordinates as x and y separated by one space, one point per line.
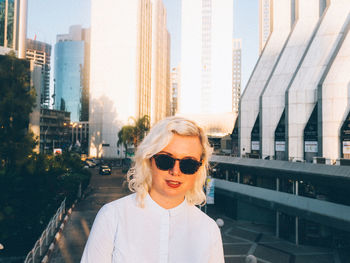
69 63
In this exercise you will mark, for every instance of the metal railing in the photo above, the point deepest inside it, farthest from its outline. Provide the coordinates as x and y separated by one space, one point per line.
43 242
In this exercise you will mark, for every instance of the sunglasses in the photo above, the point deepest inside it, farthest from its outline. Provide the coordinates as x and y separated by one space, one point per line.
165 162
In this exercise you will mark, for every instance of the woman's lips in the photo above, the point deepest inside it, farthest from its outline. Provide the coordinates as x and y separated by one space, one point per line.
173 184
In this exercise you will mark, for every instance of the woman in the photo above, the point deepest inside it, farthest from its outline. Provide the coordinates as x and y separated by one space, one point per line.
160 223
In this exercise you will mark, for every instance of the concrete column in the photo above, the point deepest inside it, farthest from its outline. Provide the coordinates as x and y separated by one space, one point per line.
277 224
238 177
297 230
22 36
226 173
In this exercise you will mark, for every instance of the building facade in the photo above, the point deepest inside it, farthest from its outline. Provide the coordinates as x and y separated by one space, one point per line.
128 69
13 26
54 130
72 73
175 89
296 104
206 63
237 74
265 22
40 54
160 63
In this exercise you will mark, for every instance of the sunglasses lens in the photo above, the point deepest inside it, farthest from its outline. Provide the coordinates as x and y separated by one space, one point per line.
189 166
164 162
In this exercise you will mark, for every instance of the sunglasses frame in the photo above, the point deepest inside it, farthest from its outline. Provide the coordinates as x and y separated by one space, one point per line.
199 163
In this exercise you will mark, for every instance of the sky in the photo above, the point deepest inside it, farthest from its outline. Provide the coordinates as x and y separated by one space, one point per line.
47 18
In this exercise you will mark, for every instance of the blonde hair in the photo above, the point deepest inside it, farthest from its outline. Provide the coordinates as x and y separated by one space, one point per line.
140 176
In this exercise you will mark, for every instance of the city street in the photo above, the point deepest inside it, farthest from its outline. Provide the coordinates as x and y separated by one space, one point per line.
240 238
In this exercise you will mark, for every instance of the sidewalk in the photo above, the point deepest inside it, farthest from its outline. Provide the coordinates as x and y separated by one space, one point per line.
240 238
103 189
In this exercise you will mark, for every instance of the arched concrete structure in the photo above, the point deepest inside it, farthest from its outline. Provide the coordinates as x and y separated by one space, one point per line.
334 101
302 94
273 96
249 105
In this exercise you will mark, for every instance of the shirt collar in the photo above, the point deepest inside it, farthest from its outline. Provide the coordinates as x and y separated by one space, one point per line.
172 211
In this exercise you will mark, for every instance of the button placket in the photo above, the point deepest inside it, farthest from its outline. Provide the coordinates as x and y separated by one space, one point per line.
164 237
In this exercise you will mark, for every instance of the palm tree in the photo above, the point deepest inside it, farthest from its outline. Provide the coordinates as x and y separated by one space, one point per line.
126 137
141 127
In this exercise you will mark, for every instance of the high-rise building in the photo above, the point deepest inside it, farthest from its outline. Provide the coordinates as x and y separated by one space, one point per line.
72 73
40 53
160 62
128 68
237 74
265 22
13 26
206 61
175 89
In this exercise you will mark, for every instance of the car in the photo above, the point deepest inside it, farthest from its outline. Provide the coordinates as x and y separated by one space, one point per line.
105 170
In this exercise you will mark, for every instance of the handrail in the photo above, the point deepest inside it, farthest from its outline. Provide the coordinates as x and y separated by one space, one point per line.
43 242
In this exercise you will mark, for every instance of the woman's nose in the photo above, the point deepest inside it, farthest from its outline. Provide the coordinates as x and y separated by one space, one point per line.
176 169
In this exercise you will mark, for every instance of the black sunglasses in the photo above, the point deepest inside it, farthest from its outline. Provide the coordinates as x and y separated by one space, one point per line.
165 162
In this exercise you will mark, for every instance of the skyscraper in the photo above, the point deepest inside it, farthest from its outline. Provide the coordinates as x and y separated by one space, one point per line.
237 74
13 26
129 42
265 22
71 73
40 53
206 60
160 62
175 89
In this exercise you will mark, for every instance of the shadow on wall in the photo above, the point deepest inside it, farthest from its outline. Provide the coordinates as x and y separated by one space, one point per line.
103 128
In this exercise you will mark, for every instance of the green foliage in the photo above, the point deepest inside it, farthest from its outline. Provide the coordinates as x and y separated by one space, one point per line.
133 134
16 103
30 195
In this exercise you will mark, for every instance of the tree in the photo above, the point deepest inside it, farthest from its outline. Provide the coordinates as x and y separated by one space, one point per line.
141 127
16 103
126 137
133 134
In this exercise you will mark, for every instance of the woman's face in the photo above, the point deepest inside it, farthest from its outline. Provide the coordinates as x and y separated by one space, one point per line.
169 187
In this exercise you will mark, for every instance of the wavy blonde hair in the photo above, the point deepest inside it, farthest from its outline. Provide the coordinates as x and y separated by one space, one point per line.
140 176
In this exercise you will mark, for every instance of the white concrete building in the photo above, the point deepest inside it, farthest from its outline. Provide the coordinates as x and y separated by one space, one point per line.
236 74
334 103
265 22
273 96
304 112
160 63
120 79
302 93
249 105
206 61
129 69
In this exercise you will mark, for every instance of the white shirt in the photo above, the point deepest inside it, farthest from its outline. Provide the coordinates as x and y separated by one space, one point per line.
125 233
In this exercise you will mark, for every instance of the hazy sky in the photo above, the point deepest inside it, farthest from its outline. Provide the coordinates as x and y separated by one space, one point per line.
47 18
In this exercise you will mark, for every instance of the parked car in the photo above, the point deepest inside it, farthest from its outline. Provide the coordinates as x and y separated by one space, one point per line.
105 170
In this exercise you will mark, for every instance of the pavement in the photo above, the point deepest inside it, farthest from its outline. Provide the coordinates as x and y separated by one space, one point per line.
240 239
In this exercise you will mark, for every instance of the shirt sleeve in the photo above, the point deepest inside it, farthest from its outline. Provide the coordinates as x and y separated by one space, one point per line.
217 251
100 244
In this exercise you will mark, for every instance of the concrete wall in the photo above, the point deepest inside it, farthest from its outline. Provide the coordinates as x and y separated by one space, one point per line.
249 106
273 96
334 100
302 94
